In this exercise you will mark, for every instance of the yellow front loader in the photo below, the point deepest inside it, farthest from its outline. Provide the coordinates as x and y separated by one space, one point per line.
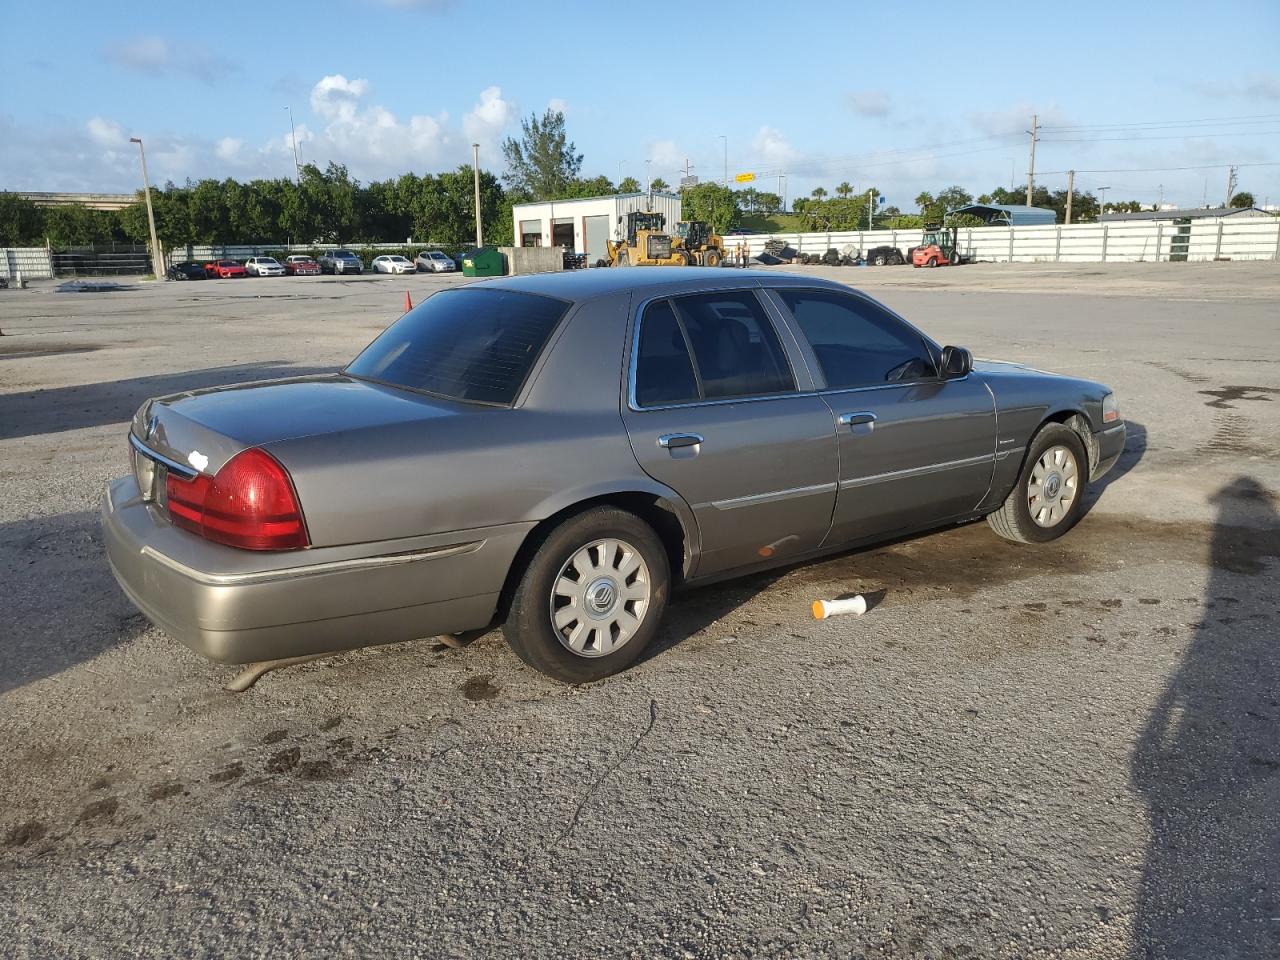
646 244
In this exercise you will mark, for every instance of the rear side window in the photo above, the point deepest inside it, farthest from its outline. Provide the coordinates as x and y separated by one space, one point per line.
664 372
735 348
474 345
857 343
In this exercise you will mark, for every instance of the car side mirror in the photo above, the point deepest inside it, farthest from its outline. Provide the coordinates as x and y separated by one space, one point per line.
956 362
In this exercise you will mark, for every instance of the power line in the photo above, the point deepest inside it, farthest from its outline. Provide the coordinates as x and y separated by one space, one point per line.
1203 166
1252 118
1178 136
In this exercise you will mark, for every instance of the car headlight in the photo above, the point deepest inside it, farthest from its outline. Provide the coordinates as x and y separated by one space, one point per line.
1110 408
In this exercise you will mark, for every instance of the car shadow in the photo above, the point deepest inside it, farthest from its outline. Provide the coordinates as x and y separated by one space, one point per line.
1207 762
46 629
60 409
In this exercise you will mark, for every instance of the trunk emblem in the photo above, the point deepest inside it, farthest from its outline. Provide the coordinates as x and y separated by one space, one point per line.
152 425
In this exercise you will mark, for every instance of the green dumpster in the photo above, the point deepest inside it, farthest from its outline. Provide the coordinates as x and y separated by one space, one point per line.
484 262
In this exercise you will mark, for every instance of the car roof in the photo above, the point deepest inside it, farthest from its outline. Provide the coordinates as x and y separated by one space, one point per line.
647 281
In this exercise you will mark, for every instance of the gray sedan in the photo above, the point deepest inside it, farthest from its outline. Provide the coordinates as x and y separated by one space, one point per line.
558 452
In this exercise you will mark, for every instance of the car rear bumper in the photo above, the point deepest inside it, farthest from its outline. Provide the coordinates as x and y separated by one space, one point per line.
1110 444
238 606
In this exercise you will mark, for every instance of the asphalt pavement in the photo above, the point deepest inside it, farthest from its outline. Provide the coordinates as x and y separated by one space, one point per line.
1061 751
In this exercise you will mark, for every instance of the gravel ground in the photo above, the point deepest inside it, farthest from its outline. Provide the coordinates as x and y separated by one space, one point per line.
1063 751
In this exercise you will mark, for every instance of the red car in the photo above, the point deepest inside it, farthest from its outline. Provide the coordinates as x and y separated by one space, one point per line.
301 266
222 269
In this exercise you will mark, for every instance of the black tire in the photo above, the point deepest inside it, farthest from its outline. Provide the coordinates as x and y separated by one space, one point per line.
623 260
711 258
898 260
1013 520
529 629
931 262
880 260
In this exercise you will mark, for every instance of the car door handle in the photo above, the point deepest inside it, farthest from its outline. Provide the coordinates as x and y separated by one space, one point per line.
673 441
854 419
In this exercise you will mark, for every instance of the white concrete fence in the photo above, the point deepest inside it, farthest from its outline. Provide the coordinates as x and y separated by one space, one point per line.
1227 238
34 263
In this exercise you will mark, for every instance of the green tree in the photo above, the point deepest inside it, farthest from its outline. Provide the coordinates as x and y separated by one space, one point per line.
768 203
657 183
21 222
592 187
75 225
1242 200
716 204
844 190
924 200
543 161
629 185
818 193
954 197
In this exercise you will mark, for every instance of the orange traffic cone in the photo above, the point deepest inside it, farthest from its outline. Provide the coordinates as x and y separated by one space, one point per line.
408 304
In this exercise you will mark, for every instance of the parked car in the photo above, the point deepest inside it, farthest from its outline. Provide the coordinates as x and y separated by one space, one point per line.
393 264
435 261
222 269
558 451
264 267
884 256
300 265
187 270
340 261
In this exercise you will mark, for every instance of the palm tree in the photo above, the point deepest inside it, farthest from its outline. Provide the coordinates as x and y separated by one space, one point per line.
659 184
818 193
844 189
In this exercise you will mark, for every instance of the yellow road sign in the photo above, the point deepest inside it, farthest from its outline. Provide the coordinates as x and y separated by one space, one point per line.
744 177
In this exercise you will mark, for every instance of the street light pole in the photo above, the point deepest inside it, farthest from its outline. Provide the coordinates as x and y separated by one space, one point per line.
157 261
475 166
1102 201
293 133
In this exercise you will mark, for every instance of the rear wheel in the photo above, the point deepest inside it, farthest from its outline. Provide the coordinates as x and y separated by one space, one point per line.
880 260
591 598
1047 499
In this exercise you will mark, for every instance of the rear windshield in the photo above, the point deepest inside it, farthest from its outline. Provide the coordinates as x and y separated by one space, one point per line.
475 345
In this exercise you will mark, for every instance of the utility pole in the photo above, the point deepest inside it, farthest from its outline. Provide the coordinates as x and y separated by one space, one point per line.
1160 196
1102 201
1071 189
871 208
157 261
475 166
1231 185
293 133
726 158
1031 168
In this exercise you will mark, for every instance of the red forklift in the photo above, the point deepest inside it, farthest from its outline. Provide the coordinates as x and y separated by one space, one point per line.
940 247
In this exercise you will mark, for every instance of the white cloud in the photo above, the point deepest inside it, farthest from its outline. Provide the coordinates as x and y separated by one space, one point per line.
106 133
154 55
772 147
487 120
558 105
337 98
868 103
666 155
1017 119
228 150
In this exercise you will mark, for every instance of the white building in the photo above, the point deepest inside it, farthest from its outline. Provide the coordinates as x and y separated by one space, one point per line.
583 226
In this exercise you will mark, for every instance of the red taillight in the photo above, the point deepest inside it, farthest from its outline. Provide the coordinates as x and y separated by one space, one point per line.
250 503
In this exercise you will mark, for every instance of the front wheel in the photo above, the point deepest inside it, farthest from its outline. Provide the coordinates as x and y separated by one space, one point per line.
711 258
879 261
1048 498
591 598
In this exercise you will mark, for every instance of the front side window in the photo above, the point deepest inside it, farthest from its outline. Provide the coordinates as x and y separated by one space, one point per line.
857 344
472 345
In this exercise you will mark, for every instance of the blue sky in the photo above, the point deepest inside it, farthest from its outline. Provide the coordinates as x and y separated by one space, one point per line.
874 94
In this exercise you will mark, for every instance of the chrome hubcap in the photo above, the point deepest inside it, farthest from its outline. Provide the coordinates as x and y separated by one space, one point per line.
600 598
1053 486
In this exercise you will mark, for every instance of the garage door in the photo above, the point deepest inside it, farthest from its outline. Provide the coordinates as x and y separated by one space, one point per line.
597 235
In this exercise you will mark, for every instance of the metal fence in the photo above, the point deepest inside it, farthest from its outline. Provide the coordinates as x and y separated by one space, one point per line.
102 260
1150 241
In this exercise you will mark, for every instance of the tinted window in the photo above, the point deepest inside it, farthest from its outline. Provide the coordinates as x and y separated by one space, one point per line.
476 345
857 344
664 373
734 345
